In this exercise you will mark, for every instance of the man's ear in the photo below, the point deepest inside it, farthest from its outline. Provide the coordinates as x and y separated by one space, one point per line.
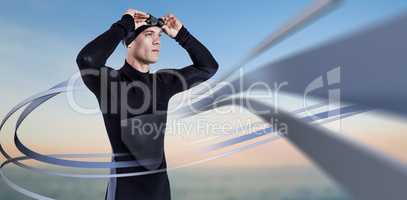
130 45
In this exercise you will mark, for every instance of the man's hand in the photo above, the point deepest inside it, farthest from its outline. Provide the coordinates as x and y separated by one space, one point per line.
171 25
138 16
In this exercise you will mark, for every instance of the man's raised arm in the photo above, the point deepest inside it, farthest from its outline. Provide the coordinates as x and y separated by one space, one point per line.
204 65
92 58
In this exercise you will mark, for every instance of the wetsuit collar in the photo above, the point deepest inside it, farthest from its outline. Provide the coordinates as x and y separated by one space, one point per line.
132 72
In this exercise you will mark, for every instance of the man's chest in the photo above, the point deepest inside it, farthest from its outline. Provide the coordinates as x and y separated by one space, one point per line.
138 97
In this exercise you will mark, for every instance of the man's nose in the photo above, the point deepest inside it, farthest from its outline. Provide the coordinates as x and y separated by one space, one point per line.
156 40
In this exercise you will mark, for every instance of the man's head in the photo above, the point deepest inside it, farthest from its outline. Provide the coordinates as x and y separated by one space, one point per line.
146 46
143 44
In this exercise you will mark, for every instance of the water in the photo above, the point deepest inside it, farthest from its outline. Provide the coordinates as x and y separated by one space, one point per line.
193 184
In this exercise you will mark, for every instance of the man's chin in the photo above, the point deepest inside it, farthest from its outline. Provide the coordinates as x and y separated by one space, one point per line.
152 61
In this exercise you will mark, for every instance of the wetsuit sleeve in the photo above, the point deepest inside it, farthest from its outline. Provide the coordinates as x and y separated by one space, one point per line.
92 58
203 66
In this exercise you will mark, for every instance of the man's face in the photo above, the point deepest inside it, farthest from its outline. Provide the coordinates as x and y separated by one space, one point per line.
146 46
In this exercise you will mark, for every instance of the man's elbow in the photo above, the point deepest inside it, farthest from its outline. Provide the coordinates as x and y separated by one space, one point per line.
213 68
85 61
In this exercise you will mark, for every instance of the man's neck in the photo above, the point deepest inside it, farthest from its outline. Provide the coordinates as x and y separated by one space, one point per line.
138 65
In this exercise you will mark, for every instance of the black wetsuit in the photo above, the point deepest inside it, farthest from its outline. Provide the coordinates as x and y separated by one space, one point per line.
105 84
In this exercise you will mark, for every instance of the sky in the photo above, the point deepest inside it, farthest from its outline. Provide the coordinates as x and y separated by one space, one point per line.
40 40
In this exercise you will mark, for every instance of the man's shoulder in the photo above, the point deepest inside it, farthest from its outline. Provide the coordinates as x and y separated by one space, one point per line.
168 74
166 70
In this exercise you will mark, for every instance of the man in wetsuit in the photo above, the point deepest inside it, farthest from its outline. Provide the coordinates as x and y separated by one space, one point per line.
133 91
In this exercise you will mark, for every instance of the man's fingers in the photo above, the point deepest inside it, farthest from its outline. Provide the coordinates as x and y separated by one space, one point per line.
169 16
173 22
140 16
138 20
165 18
137 12
165 28
169 20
